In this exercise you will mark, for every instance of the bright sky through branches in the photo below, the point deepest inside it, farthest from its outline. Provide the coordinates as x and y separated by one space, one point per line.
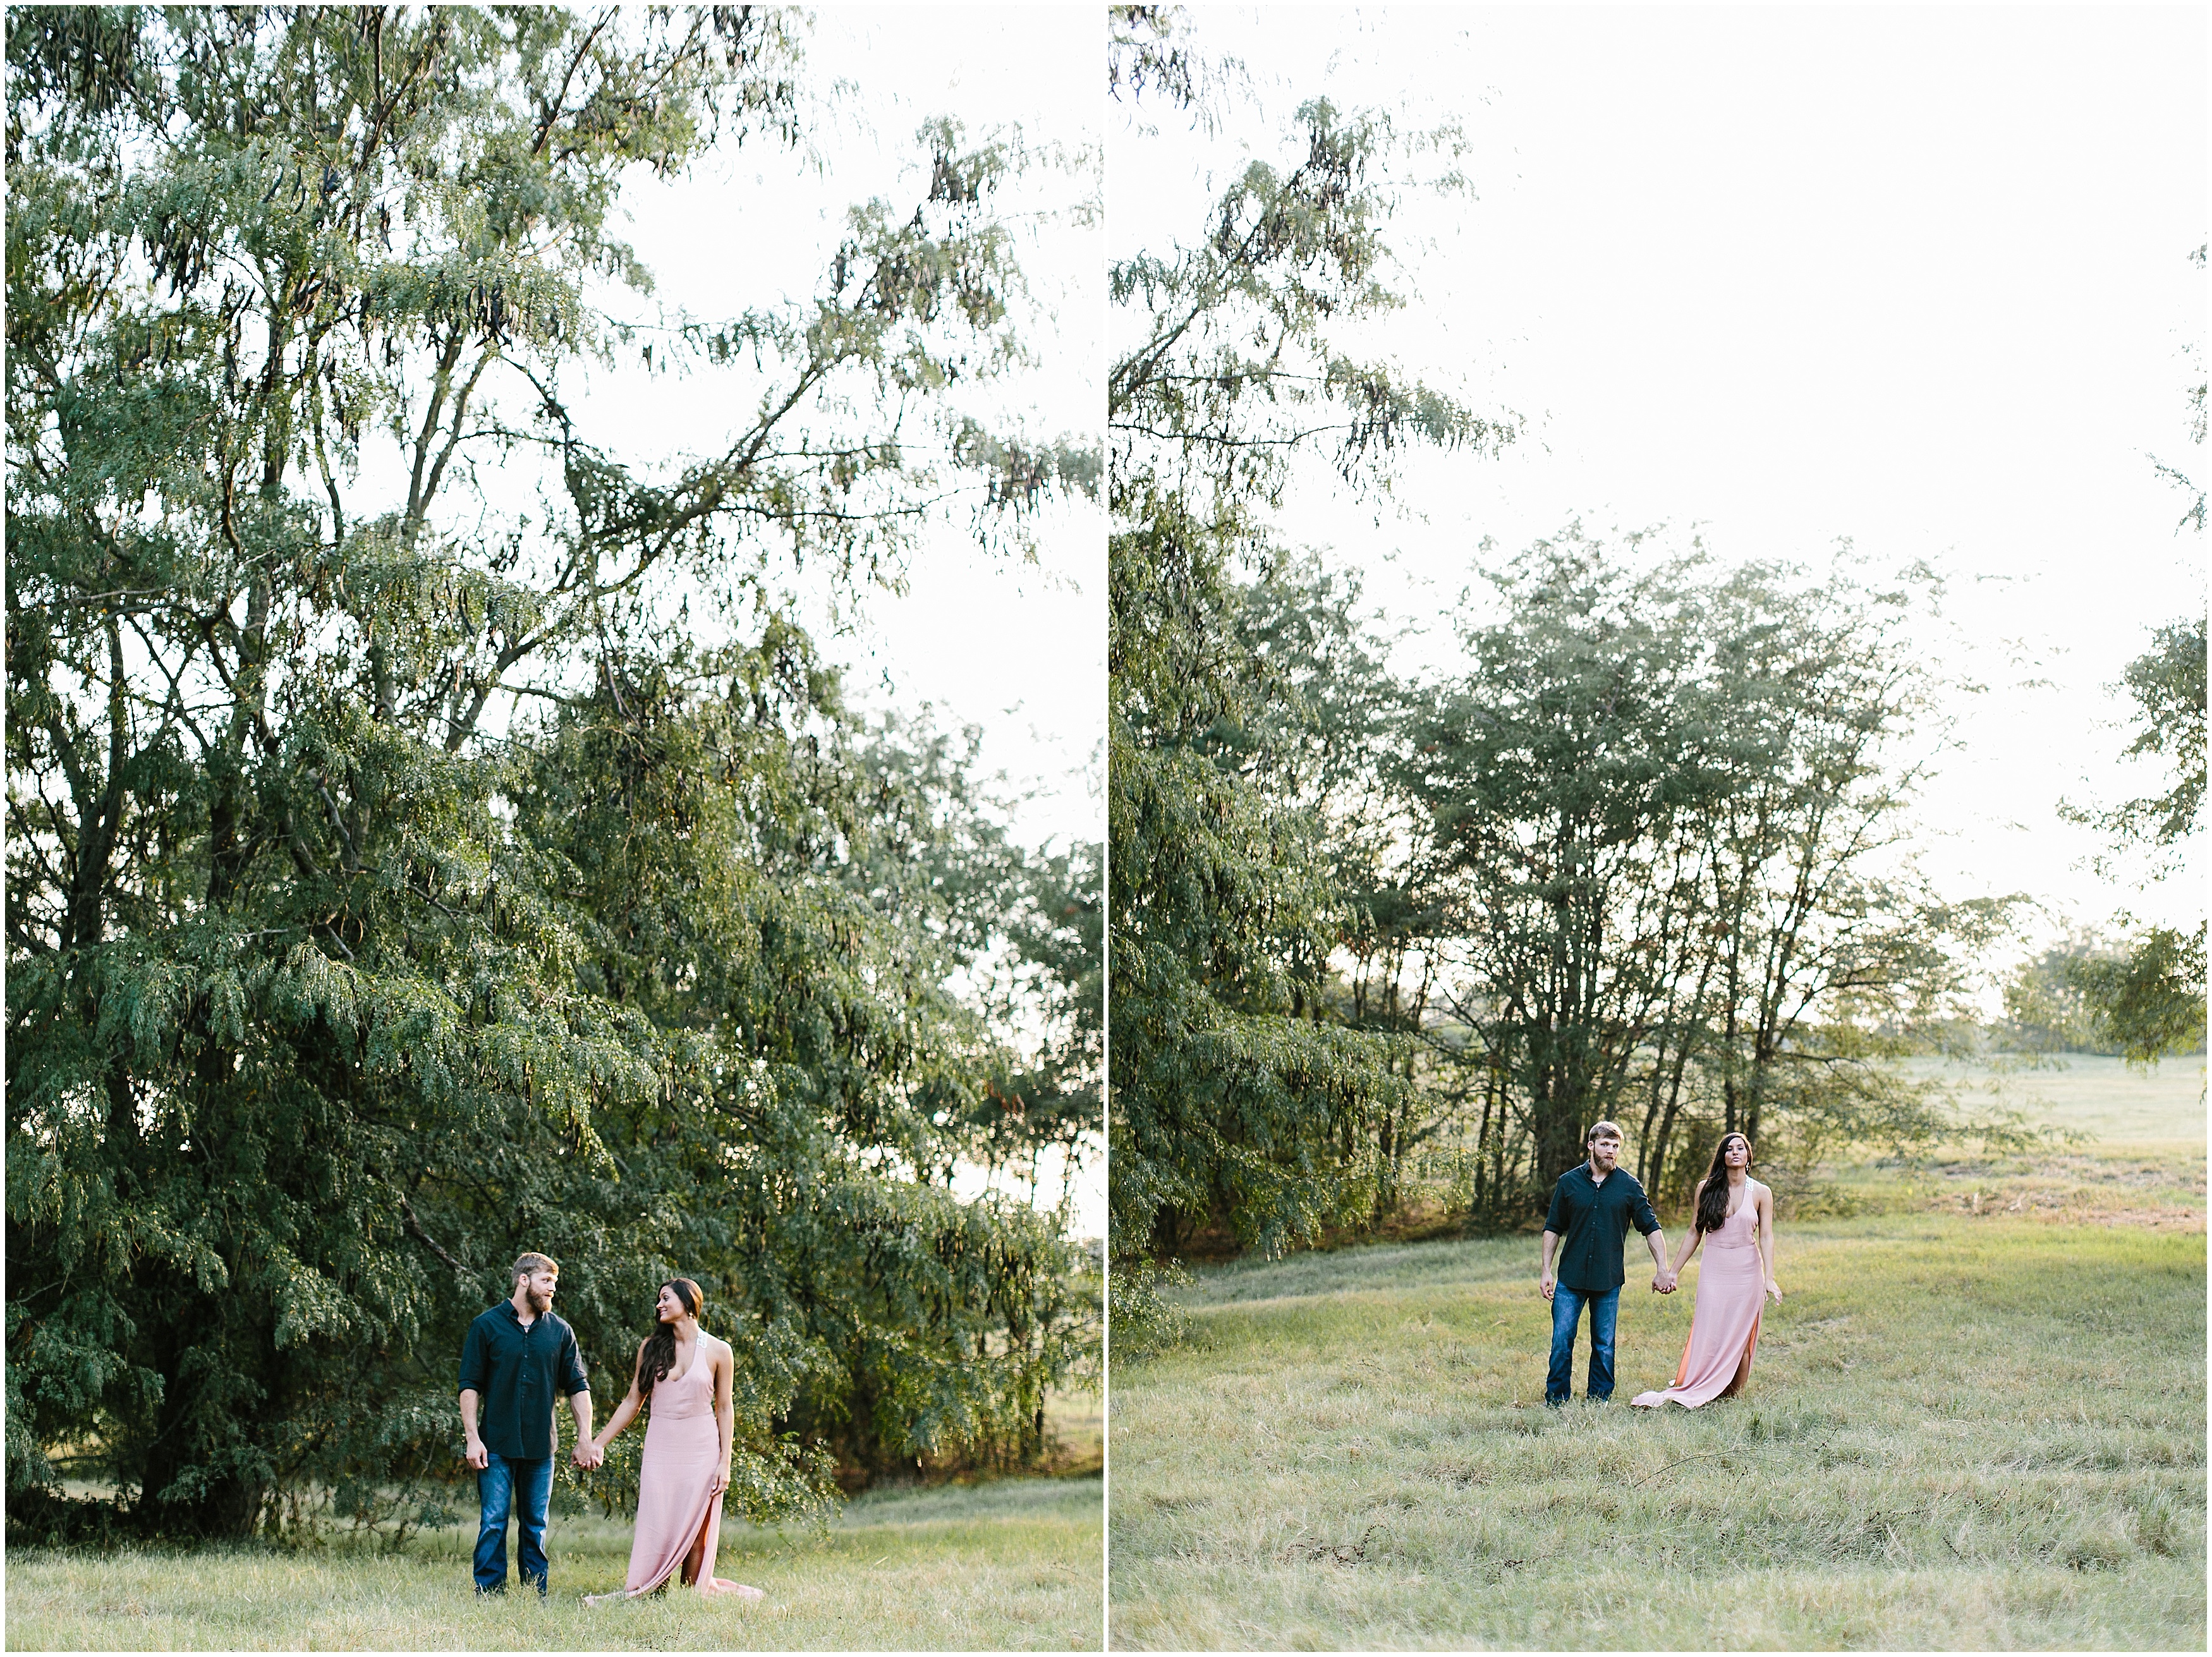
1017 649
1918 278
1014 648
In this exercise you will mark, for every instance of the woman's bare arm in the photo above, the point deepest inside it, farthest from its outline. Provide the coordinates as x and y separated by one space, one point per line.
1766 1242
1690 1243
626 1411
724 1412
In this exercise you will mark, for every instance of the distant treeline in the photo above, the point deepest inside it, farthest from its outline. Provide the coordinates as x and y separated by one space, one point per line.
2051 1004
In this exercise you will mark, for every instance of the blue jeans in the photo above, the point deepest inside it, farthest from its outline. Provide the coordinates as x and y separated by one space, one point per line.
525 1488
1566 1313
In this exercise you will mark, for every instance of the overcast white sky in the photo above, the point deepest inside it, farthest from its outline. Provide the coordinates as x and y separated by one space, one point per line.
1917 277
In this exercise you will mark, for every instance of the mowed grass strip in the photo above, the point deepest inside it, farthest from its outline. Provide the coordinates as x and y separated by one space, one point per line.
1962 1431
1011 1564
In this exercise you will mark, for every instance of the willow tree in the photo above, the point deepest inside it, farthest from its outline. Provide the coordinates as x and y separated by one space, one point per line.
396 877
1235 1099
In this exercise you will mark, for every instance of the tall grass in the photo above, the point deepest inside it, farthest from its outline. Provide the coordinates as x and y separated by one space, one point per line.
1966 1428
1011 1564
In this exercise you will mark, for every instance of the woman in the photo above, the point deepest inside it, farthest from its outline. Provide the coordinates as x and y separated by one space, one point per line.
1738 1213
686 1371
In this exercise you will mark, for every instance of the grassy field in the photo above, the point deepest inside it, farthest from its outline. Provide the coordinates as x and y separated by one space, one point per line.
2095 1095
1977 1422
1007 1564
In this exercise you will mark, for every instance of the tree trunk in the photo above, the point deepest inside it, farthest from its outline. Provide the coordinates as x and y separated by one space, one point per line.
226 1505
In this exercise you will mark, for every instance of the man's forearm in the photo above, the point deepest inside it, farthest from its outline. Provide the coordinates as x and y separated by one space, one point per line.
1656 1242
1551 1242
580 1403
468 1413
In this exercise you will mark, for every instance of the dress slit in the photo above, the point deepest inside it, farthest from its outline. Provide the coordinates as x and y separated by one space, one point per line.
1725 1323
679 1513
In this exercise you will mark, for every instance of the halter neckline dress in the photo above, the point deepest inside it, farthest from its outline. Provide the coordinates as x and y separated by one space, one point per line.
1725 1324
677 1502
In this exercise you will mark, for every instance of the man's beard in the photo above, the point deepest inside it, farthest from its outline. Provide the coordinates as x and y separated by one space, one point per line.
539 1304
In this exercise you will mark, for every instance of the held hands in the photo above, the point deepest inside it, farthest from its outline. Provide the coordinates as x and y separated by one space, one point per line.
1664 1281
588 1453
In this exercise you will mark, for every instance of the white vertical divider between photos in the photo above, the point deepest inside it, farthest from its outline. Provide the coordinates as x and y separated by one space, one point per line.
1105 868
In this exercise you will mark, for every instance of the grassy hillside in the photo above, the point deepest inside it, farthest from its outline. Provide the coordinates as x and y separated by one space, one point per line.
1977 1422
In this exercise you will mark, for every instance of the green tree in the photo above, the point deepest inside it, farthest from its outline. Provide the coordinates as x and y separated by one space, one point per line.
1659 805
1236 1099
2045 1010
2148 1001
2151 1002
393 883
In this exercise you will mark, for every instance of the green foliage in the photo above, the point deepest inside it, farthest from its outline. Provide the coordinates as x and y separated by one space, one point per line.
1639 858
2150 1002
1656 810
2153 1003
1238 1099
394 883
2044 1009
1143 1319
2142 1002
2166 684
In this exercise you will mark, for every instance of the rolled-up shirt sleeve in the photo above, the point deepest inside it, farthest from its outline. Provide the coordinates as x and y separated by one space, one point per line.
1646 1221
574 1379
475 1361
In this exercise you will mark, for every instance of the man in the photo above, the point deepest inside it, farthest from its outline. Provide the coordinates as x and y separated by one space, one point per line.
1592 1206
515 1356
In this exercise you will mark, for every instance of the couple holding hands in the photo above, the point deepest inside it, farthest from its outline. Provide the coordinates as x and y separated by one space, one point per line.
519 1355
1593 1206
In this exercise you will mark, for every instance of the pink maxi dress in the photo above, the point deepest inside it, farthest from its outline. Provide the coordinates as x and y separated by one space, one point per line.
676 1500
1724 1324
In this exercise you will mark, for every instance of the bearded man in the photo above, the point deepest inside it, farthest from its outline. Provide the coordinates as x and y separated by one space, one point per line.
1593 1206
515 1357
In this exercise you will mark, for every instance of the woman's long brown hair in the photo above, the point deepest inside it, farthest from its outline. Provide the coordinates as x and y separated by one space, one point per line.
659 1355
1713 1200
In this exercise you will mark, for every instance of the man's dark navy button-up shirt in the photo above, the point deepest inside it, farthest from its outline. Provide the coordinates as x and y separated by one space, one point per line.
1592 1224
514 1372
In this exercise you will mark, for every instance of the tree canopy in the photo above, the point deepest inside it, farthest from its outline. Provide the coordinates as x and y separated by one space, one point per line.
398 876
1232 1093
2148 1001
